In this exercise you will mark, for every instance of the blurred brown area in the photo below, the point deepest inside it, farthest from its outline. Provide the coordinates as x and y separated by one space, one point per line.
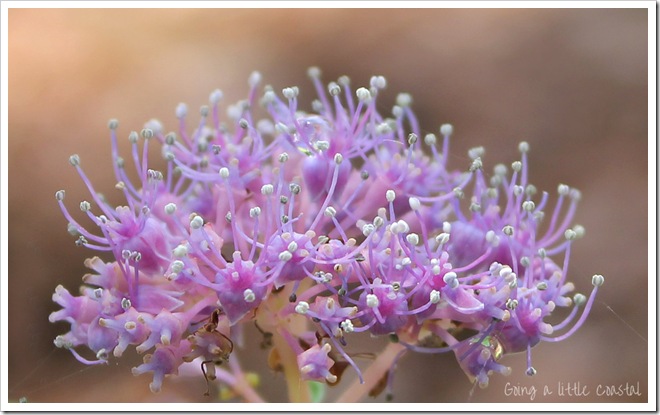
573 83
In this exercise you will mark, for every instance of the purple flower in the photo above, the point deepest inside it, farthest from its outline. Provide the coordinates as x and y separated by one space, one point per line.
315 227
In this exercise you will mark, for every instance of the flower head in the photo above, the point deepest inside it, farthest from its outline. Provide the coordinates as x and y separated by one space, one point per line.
317 226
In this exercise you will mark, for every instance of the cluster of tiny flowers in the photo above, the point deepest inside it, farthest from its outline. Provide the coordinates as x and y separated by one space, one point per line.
316 226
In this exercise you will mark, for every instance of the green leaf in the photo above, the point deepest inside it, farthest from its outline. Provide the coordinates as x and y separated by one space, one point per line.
316 391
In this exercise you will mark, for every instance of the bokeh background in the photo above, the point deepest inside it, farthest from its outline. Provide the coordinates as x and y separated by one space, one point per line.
573 83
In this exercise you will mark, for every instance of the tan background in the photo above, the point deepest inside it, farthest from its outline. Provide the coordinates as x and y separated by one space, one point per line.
573 83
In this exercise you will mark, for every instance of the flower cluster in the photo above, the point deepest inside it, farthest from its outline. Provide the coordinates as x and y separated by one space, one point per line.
316 226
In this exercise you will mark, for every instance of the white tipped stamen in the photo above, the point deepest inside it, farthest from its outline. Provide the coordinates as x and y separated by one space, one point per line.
597 280
285 256
528 205
293 246
542 286
446 129
579 299
347 326
363 94
170 208
516 166
434 297
267 189
254 79
403 100
338 158
74 160
390 195
430 139
177 266
414 203
442 238
59 195
569 234
523 147
302 307
85 206
197 222
255 211
372 301
530 371
248 296
180 251
451 279
412 238
330 212
181 110
508 230
224 172
334 89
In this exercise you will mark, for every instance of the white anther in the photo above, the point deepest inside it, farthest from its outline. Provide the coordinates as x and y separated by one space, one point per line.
59 195
113 124
378 82
313 72
412 238
476 152
181 110
508 230
302 307
292 247
458 192
215 96
170 208
442 238
412 138
368 229
597 280
528 205
569 234
74 160
285 256
405 262
434 297
400 226
269 97
579 299
347 326
363 94
254 79
180 251
505 271
248 295
579 231
524 261
224 172
334 89
177 266
267 189
511 304
390 195
435 269
330 212
518 190
197 222
125 303
243 123
475 207
563 190
542 286
290 93
147 133
430 139
98 293
542 253
530 371
321 145
383 128
523 147
516 166
85 206
446 129
451 279
414 203
255 211
403 99
378 222
338 158
372 301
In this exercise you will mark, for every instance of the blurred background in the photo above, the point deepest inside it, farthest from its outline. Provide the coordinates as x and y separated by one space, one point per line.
573 83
